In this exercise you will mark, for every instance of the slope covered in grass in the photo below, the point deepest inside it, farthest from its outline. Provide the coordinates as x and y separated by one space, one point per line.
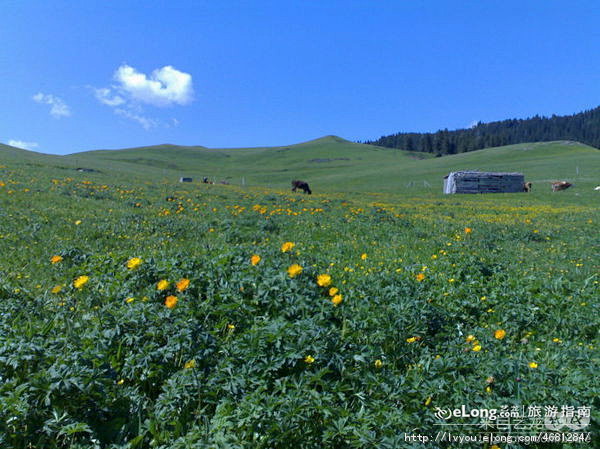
325 159
329 164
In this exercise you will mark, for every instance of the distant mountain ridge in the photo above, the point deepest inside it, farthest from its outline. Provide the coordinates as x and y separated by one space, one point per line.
583 127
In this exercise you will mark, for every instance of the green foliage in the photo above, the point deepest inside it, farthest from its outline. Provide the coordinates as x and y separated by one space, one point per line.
250 357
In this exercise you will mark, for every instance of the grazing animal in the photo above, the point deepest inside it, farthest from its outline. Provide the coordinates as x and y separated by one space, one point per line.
597 188
527 187
560 185
296 184
206 181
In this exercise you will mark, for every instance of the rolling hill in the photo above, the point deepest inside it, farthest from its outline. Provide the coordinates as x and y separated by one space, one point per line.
329 163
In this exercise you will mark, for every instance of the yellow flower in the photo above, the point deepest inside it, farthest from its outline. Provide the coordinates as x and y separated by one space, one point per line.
133 263
533 365
255 259
378 363
428 401
171 301
420 277
500 334
121 382
494 447
80 281
129 300
488 389
337 300
309 359
78 222
333 291
55 259
477 348
470 338
324 280
162 284
468 230
363 256
231 327
287 246
190 364
294 270
182 284
412 339
56 289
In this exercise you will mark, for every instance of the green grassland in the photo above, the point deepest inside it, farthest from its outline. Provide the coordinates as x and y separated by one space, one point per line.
251 356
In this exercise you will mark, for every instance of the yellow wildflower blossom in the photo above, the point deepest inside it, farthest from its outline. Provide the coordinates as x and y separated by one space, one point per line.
190 364
294 270
255 259
171 301
287 246
133 263
162 284
182 284
324 280
80 281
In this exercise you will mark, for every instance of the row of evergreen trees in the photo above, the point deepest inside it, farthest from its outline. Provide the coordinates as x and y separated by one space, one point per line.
583 127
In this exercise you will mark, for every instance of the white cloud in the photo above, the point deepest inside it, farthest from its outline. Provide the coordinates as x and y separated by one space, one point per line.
146 122
105 96
164 87
22 144
58 106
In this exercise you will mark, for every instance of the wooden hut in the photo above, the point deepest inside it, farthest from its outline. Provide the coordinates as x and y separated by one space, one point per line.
483 182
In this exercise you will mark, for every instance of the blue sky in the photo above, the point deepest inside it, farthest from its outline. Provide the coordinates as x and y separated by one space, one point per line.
88 75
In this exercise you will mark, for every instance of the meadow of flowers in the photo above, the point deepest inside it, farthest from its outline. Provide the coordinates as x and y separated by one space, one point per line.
154 316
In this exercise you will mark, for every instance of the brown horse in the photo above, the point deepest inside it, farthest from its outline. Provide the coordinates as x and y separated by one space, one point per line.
296 184
560 185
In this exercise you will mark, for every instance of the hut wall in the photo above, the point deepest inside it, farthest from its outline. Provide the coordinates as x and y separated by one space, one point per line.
483 182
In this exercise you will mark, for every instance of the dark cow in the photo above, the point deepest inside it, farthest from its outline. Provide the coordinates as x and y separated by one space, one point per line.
296 184
560 185
527 187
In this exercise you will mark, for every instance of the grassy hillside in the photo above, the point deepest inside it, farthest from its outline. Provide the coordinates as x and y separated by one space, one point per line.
329 164
327 159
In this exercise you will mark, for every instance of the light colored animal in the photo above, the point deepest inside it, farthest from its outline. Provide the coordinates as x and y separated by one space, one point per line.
597 188
560 185
527 187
